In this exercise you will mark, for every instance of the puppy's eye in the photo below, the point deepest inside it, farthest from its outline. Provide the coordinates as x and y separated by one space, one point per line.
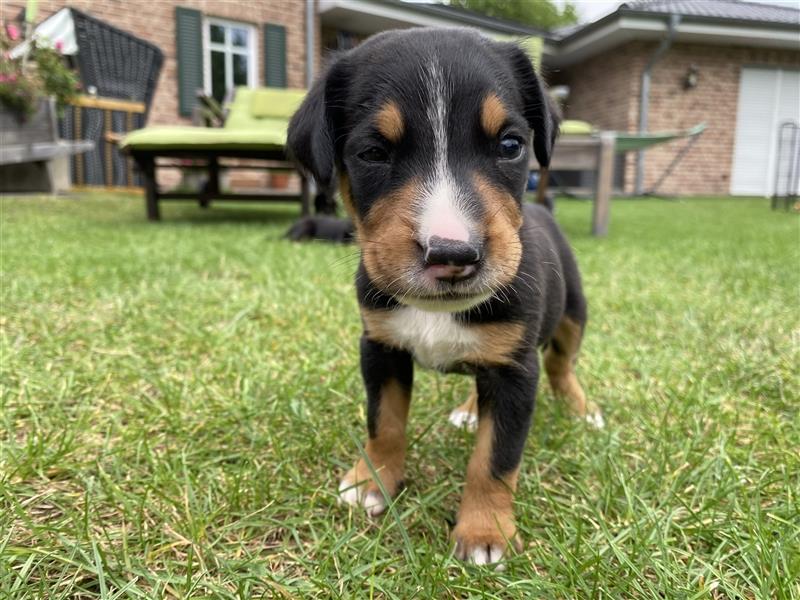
510 148
374 154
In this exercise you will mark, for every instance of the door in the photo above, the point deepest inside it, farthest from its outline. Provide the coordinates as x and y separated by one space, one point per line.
767 98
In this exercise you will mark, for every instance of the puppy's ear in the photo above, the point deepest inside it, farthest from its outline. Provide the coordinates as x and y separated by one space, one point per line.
540 111
313 130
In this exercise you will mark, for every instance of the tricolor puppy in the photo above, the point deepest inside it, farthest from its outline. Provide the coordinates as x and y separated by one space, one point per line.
429 132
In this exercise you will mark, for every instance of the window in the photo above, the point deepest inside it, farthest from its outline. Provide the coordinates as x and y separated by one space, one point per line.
229 60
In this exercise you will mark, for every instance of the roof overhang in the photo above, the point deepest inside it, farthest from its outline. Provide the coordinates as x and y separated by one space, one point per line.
371 16
617 29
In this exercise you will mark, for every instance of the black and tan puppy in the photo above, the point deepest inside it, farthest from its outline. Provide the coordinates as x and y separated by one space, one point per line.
429 133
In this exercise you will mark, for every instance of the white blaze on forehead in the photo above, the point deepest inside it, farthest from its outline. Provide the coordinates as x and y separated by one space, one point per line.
443 211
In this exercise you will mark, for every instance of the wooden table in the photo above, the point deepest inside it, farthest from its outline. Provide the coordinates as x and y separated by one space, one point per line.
589 153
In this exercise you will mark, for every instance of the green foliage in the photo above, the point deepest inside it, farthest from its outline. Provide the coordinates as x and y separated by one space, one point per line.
179 399
44 73
536 13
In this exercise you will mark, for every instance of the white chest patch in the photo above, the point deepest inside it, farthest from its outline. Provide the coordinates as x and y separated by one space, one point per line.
435 339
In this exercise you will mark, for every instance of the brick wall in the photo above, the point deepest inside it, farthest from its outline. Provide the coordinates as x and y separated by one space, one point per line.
154 21
605 91
706 168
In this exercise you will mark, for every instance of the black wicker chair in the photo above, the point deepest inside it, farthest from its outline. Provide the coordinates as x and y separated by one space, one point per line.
115 64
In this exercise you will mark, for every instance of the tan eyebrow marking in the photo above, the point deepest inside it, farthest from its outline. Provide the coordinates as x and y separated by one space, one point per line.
493 114
389 121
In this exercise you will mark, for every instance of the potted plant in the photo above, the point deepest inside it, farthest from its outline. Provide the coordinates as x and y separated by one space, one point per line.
28 81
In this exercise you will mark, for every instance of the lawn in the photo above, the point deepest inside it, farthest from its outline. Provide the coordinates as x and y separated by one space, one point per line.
180 399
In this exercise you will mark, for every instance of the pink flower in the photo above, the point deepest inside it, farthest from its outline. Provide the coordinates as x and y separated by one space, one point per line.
59 46
13 32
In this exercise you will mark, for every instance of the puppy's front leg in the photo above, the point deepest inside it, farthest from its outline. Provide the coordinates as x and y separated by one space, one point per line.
388 376
485 525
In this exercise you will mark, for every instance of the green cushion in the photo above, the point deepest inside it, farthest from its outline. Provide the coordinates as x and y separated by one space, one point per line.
269 135
572 127
257 120
275 102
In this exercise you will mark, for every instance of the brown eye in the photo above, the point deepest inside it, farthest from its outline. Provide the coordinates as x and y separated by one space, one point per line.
374 154
510 148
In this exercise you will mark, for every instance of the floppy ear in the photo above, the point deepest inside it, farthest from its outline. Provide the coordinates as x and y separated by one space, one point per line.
540 111
312 137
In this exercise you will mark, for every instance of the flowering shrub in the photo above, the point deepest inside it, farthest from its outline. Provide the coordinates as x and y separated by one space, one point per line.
44 73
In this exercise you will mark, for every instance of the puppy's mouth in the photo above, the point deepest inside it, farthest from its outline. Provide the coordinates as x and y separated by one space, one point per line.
451 302
449 273
445 288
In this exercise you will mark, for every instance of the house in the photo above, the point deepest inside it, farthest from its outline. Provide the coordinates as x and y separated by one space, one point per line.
652 65
215 45
733 65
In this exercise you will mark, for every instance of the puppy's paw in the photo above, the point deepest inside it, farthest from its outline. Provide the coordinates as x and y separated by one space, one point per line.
367 495
358 488
485 543
594 416
463 419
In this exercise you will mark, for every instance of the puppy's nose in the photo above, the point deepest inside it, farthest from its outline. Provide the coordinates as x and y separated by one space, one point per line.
452 260
442 251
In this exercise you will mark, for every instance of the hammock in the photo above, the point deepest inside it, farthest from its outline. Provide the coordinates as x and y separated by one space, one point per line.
625 142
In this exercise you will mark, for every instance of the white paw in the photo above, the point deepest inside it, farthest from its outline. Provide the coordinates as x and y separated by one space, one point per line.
596 420
352 495
374 503
486 556
349 493
462 418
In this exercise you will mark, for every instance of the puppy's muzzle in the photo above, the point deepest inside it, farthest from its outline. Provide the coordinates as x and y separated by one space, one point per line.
451 260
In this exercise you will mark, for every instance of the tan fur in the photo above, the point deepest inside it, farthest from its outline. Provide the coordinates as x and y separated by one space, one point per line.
389 122
375 327
387 450
560 366
347 199
493 115
470 405
386 237
486 516
503 220
498 342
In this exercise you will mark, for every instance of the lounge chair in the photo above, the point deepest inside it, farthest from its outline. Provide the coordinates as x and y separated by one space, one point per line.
254 128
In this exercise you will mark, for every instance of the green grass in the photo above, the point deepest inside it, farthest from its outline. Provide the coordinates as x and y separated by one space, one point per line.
180 399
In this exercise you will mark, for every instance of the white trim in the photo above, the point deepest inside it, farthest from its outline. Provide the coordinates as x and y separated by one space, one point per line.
624 29
251 52
391 17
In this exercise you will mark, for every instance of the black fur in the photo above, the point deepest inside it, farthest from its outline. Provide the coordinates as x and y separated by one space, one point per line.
380 364
329 229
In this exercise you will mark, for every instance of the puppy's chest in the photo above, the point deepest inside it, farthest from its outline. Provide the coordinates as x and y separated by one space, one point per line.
436 340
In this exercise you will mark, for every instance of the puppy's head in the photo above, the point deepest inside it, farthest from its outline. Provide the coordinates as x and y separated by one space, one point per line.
429 132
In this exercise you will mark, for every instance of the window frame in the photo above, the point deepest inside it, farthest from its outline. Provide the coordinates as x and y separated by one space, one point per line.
251 52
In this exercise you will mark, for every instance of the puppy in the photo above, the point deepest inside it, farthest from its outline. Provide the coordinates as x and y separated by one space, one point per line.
429 132
323 228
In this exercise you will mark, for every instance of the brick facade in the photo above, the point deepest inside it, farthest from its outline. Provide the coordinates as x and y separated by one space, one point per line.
604 90
154 21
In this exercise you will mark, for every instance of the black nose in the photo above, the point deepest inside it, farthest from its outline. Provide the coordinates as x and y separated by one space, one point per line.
441 251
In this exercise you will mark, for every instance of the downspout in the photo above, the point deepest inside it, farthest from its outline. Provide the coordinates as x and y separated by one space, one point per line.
644 98
310 46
